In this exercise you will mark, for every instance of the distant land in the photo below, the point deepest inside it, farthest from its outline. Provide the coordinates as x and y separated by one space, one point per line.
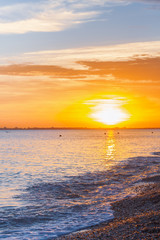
55 128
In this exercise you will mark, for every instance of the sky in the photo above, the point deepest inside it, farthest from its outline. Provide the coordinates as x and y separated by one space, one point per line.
72 63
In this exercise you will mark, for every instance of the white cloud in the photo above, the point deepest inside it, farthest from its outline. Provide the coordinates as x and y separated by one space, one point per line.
49 15
55 21
147 1
40 18
71 58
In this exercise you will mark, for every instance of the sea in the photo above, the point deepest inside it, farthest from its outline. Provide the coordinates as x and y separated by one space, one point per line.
56 182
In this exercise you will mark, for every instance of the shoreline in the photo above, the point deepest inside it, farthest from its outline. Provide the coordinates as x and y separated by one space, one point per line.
135 217
65 128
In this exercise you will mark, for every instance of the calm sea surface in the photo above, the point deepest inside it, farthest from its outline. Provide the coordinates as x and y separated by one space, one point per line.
52 185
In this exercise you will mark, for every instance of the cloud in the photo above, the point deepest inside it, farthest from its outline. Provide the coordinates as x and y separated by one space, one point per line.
94 68
135 71
50 15
53 16
47 20
45 16
148 1
24 83
74 58
82 71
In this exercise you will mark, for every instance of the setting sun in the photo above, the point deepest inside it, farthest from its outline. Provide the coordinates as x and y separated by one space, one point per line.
109 111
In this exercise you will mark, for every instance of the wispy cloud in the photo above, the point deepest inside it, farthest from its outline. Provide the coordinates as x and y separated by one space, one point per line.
95 67
147 1
40 18
50 15
23 83
53 16
75 58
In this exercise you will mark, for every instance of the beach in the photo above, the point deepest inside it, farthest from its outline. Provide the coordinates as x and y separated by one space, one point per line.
135 217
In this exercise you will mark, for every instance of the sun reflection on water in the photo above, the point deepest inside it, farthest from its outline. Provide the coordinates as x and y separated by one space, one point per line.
110 148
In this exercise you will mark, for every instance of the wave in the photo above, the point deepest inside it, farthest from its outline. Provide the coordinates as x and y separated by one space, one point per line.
79 201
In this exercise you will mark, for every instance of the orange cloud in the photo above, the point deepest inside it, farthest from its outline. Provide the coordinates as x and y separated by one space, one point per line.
39 95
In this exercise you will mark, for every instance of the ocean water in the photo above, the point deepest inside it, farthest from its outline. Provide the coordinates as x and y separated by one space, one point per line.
52 185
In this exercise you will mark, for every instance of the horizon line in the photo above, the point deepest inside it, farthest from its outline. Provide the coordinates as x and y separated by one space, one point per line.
73 128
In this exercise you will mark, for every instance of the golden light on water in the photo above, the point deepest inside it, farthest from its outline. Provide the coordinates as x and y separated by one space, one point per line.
109 111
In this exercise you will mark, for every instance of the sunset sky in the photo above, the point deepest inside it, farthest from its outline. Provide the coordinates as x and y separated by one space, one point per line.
72 63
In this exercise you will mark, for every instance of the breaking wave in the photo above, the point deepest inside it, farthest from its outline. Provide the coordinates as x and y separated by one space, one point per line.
57 208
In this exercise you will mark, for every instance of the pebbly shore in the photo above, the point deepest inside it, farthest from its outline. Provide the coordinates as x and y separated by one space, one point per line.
135 217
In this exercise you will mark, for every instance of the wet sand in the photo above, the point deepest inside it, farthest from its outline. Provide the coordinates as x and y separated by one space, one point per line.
134 217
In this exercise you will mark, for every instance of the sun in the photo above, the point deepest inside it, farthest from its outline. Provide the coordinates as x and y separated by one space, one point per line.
108 111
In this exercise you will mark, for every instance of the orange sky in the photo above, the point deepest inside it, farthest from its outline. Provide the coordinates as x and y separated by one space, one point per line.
80 63
49 95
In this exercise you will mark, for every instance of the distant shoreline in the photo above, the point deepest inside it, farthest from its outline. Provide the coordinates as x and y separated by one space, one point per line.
52 128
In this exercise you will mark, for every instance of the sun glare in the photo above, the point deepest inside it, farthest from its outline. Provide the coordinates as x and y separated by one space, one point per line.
108 111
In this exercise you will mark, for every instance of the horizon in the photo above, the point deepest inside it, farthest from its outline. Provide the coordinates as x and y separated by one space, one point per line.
71 128
77 64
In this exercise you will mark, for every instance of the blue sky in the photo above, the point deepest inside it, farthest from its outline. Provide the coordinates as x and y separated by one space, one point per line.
27 26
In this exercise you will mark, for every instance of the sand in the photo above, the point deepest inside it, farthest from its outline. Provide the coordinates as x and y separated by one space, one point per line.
135 217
